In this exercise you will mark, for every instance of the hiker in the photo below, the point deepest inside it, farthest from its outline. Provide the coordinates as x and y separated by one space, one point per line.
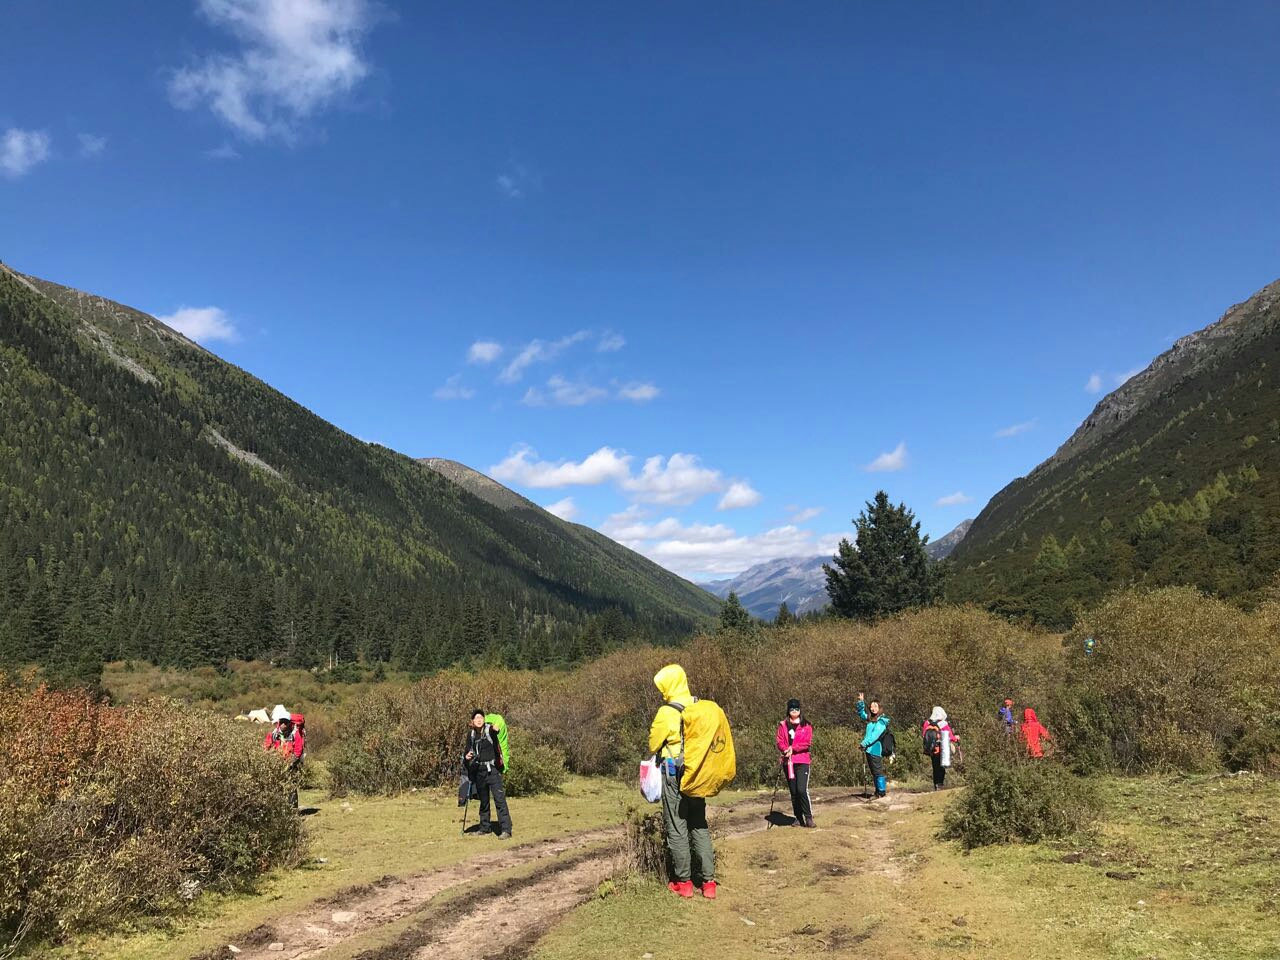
485 759
939 740
288 738
795 734
1034 734
1006 714
872 745
684 818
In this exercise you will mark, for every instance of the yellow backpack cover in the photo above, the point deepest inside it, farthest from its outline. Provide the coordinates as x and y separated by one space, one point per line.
709 761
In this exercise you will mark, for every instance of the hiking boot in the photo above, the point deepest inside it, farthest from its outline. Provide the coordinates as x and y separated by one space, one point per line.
808 822
709 889
683 888
505 835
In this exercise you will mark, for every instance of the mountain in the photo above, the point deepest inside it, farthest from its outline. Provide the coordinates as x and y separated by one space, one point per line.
1173 478
159 503
943 547
797 580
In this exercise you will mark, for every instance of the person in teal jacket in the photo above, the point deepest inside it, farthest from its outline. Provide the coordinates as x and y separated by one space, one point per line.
877 724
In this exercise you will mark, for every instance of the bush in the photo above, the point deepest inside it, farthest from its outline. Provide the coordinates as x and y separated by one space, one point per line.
1020 801
112 813
535 768
1177 681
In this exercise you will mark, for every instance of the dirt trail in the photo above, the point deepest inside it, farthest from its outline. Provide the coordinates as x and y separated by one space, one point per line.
525 912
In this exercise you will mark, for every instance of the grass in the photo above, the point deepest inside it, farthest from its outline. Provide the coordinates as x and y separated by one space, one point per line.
1194 864
362 842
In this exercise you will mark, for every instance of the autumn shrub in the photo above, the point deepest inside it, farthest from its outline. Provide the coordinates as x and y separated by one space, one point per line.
397 737
109 813
1176 681
1016 800
535 767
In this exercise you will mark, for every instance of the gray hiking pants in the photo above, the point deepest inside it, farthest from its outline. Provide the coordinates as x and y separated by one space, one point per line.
684 821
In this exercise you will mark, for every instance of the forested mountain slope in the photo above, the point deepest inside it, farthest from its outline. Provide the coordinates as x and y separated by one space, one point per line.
157 502
1173 479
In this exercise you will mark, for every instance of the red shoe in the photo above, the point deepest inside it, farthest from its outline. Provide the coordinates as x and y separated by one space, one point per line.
709 889
683 888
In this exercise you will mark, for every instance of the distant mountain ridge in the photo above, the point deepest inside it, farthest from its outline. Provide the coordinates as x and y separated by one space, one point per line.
160 503
1173 478
942 548
800 581
797 580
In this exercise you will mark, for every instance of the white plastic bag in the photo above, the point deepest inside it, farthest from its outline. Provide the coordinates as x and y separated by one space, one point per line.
650 780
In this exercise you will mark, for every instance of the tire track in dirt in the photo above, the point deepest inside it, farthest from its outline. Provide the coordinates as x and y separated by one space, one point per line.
336 919
510 918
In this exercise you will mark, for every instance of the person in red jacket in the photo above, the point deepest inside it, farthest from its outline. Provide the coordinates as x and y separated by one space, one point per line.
1034 734
288 740
795 734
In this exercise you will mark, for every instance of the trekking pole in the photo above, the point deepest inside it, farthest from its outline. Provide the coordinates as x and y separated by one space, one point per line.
777 780
465 807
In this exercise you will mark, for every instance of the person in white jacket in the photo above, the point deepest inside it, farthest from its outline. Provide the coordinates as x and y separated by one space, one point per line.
940 742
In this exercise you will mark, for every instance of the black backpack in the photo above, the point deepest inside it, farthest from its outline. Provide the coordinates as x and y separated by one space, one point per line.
888 746
932 740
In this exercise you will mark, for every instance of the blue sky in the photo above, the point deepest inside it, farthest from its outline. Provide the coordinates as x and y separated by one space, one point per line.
686 271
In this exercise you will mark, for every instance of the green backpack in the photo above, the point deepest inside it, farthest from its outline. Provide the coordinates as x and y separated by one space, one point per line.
499 726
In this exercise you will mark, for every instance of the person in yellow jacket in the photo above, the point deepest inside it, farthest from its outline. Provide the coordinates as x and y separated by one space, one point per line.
684 819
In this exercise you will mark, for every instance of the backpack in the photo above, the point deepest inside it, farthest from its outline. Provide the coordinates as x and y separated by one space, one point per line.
888 746
499 726
932 741
706 741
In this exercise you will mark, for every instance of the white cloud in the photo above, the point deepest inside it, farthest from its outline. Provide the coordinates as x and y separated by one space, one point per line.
484 351
563 393
1094 384
91 145
638 392
224 152
1014 429
452 389
801 516
890 462
604 466
740 494
565 509
202 324
517 181
677 480
712 549
610 342
539 351
20 150
293 58
954 499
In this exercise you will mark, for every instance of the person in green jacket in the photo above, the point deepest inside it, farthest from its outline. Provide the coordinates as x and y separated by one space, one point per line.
877 724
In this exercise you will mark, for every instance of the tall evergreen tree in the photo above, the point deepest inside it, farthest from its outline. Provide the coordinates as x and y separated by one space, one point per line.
785 616
733 615
886 570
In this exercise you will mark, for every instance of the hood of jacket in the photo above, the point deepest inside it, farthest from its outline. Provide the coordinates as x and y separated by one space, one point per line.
938 716
673 684
1029 716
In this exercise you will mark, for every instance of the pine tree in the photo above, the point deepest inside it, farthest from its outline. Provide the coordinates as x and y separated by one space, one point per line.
886 570
785 616
733 616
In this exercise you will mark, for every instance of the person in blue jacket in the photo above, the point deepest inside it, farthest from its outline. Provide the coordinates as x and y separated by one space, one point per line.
877 724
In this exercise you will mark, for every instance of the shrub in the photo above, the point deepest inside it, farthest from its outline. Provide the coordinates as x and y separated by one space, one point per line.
111 813
535 768
1022 801
1177 681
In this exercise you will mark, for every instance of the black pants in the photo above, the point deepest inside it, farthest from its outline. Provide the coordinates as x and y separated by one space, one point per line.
490 782
876 766
939 771
799 788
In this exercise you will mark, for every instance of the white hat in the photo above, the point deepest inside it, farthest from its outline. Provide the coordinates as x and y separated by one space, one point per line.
279 713
938 716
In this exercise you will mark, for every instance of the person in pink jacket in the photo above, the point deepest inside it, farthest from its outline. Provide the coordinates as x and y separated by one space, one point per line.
795 734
